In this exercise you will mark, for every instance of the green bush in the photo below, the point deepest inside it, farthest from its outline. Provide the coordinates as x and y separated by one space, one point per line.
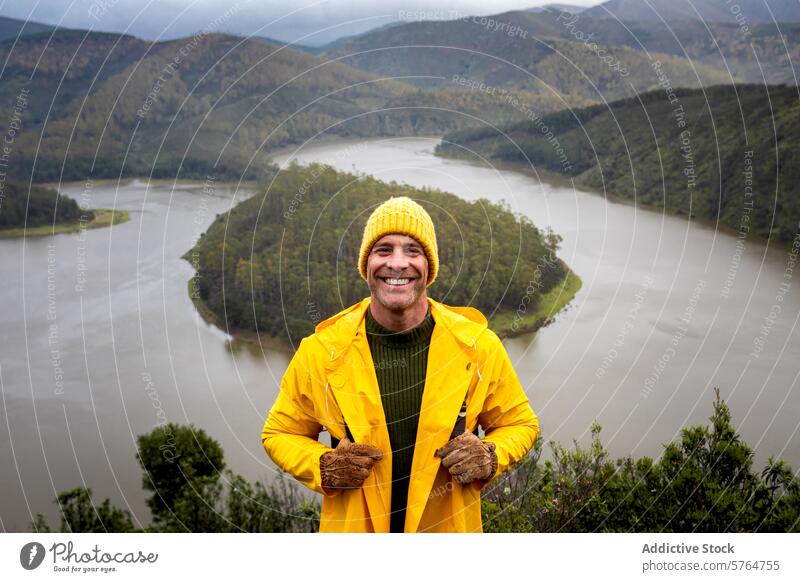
703 482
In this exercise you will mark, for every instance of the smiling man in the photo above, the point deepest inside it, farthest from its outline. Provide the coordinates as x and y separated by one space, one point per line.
402 383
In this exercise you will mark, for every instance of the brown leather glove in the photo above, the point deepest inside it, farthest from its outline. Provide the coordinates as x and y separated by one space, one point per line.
469 458
348 465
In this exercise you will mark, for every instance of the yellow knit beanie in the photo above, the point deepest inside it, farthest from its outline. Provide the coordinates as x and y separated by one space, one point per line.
400 215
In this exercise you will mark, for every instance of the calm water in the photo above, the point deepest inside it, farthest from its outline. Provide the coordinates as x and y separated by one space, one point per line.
668 310
101 343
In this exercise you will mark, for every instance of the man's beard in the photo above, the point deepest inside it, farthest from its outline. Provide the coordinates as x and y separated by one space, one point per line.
386 299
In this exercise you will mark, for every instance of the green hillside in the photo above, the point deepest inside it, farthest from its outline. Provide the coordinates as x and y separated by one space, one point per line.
529 50
526 51
751 52
101 105
726 154
108 105
162 105
285 259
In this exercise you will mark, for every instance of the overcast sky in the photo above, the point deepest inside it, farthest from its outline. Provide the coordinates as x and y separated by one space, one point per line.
302 21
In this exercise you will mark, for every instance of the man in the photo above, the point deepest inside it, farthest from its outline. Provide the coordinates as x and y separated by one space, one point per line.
401 382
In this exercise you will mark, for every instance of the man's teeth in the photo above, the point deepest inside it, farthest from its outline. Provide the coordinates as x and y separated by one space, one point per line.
397 281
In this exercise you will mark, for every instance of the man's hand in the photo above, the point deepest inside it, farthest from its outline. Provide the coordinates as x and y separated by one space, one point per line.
469 458
348 465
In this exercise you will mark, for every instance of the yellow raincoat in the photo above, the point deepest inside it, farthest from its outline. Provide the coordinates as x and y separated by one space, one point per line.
331 381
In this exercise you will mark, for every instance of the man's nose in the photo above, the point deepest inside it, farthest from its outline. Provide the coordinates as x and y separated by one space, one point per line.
398 261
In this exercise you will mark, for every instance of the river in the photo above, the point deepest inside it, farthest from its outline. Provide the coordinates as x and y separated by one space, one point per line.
101 342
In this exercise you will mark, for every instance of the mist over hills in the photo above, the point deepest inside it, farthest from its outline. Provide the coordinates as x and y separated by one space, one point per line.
575 9
711 10
13 28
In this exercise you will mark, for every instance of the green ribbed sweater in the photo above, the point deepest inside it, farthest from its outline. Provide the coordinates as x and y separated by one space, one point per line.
401 361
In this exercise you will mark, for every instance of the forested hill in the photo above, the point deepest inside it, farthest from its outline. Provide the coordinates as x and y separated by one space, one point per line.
97 99
536 52
285 259
727 153
98 104
21 208
579 55
88 104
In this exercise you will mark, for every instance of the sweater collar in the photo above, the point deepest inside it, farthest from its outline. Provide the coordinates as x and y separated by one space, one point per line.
421 333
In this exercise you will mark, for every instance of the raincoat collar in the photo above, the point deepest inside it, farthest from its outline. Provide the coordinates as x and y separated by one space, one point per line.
337 332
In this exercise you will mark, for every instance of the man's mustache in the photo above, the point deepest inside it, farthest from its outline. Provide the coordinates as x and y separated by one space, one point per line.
398 275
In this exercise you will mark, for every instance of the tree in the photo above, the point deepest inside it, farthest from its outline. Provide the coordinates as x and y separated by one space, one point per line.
80 515
182 466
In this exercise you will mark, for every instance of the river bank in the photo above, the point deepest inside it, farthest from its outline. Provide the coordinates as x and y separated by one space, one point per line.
558 179
102 218
506 323
248 336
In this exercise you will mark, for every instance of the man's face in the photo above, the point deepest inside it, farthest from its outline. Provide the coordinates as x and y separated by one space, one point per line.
397 270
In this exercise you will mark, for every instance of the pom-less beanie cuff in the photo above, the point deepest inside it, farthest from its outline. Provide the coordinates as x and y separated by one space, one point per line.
400 215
